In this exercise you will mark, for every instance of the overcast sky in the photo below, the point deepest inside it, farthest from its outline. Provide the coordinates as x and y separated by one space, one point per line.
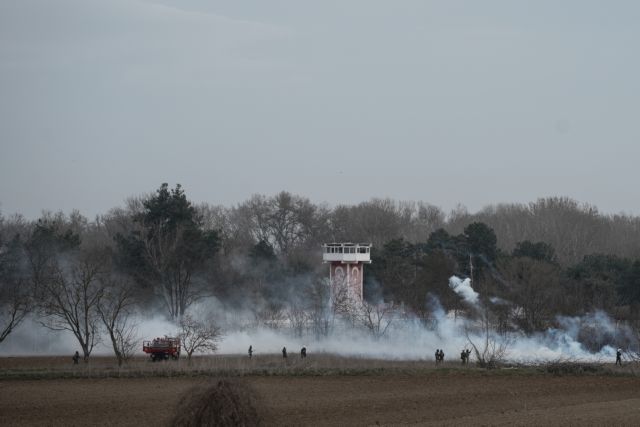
472 102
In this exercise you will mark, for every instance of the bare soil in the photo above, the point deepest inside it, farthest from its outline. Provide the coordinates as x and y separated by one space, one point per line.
389 396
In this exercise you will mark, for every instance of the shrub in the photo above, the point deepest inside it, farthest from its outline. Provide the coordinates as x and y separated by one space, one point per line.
228 402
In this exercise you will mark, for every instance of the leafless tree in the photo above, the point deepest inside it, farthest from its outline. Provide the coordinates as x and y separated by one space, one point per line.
15 286
115 310
489 347
219 218
285 221
344 305
269 314
175 283
573 229
70 298
250 220
427 219
376 221
376 318
198 336
15 304
318 297
296 315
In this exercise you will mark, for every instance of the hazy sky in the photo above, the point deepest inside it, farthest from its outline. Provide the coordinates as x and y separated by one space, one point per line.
472 102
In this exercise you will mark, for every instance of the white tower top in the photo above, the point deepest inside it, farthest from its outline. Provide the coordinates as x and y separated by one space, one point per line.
346 252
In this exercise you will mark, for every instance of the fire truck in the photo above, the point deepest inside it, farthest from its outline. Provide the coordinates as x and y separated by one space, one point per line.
162 348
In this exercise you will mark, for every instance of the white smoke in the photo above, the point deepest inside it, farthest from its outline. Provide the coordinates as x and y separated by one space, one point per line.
588 338
464 289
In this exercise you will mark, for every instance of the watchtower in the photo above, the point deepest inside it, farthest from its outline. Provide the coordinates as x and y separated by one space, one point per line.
346 265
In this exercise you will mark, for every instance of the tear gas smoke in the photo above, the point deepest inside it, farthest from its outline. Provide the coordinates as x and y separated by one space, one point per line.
589 338
464 289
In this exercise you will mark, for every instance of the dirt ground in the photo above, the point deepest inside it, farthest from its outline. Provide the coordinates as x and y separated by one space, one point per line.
436 397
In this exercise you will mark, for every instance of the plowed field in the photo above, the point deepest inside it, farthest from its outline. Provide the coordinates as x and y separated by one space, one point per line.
427 397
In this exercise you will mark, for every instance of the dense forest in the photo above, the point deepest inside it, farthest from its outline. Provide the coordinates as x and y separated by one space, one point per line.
161 254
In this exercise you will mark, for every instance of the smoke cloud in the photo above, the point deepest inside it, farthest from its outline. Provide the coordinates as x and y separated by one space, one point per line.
464 289
593 337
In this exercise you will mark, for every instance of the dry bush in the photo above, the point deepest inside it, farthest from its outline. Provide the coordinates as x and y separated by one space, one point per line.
561 367
226 402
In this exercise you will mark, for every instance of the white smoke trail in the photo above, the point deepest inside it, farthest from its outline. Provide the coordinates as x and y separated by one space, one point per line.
464 289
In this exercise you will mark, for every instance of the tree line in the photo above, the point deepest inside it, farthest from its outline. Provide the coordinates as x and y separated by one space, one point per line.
161 254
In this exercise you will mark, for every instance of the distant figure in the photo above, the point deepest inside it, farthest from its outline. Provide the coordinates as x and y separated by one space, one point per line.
284 352
619 357
75 358
437 356
250 351
303 353
464 355
441 355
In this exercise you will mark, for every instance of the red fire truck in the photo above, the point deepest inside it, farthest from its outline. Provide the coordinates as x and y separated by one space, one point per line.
162 348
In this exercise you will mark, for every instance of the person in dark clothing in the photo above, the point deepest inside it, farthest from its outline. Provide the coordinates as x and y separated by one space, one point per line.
463 357
250 351
75 358
619 357
437 356
441 355
303 352
284 352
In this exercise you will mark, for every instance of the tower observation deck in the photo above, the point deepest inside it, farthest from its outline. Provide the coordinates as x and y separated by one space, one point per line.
346 266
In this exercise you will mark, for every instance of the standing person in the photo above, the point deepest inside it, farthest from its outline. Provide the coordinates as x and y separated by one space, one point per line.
463 356
437 356
466 358
619 357
303 352
284 352
250 351
441 355
76 357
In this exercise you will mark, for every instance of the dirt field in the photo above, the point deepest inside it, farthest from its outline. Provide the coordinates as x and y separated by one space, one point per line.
426 397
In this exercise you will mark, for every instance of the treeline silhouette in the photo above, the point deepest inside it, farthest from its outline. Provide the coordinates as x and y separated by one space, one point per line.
160 253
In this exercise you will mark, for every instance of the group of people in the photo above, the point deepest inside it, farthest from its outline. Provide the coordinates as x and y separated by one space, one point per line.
464 356
303 352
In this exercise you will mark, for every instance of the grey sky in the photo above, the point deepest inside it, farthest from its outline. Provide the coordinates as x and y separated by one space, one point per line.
475 102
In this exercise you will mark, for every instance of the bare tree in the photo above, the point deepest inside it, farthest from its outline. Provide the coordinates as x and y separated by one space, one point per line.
318 297
15 289
489 347
171 271
70 299
284 221
376 317
297 316
344 305
15 304
115 309
269 313
198 335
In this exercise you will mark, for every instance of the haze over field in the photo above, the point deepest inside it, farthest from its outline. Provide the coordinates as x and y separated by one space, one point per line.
444 101
407 337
